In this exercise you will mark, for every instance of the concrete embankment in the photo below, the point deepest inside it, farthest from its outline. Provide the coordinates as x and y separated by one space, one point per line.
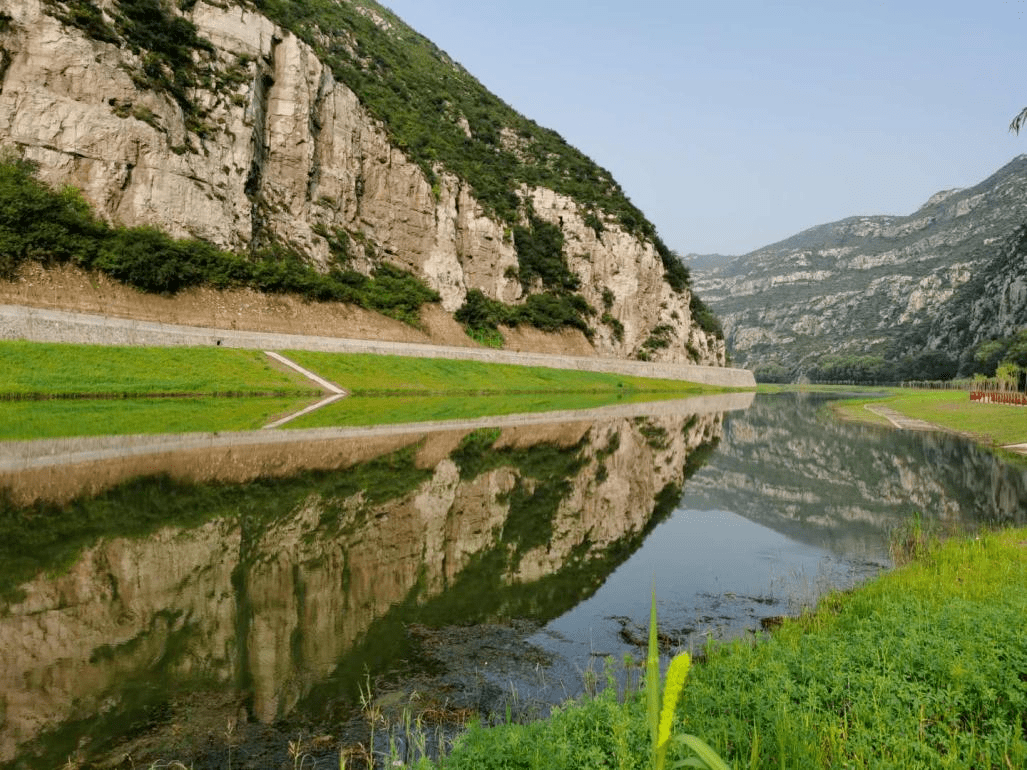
43 325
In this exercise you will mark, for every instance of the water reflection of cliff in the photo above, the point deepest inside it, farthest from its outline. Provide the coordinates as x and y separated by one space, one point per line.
287 589
786 464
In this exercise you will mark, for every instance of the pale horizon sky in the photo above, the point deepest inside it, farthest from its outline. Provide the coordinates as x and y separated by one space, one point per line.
733 125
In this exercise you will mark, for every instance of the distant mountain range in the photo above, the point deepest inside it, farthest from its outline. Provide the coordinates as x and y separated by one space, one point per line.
906 296
705 262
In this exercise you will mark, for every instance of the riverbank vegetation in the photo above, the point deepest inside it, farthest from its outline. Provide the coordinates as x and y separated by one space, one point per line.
397 409
367 374
924 667
988 358
64 418
62 369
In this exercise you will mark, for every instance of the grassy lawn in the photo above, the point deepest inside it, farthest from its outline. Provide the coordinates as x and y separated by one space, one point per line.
50 369
992 424
371 410
418 389
21 420
370 374
924 667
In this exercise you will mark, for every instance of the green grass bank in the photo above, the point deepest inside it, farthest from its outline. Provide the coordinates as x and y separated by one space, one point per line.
62 369
51 390
989 424
366 374
923 667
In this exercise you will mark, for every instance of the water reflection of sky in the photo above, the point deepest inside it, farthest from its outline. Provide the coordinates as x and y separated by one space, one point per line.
791 504
714 572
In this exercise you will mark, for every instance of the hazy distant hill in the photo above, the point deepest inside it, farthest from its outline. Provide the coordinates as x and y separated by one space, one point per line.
922 288
706 262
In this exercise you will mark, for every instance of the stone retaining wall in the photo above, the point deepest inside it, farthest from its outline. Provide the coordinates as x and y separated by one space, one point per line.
42 325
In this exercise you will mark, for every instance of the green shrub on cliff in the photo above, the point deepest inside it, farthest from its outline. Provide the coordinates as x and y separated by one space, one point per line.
440 115
37 223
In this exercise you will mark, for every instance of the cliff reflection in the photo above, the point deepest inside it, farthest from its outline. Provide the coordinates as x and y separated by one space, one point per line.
787 465
285 574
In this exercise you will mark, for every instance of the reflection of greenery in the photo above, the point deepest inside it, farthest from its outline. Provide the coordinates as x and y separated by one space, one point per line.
122 417
401 409
141 697
542 484
474 456
655 435
543 481
49 537
482 592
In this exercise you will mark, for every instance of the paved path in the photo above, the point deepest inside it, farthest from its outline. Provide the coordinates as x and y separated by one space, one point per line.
901 421
331 387
44 325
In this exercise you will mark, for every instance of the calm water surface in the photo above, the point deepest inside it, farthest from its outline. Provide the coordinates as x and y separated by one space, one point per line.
174 604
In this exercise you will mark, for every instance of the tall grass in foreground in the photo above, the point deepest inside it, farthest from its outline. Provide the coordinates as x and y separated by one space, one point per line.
661 717
924 667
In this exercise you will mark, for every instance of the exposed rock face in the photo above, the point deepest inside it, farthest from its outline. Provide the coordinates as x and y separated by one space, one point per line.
288 153
856 285
991 305
272 608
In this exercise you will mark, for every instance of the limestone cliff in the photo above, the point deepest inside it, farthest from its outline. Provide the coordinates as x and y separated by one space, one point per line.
249 138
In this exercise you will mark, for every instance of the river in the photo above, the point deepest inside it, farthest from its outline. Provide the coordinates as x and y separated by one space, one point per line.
211 600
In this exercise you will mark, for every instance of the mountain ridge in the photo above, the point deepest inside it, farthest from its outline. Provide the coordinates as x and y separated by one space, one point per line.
865 285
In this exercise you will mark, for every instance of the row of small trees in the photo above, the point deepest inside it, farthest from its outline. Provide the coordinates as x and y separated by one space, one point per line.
1001 359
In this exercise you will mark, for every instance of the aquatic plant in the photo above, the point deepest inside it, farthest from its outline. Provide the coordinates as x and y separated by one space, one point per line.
661 720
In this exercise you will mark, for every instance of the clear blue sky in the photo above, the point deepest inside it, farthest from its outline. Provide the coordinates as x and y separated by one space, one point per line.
735 124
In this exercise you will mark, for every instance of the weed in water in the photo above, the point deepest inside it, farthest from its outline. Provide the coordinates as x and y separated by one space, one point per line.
910 541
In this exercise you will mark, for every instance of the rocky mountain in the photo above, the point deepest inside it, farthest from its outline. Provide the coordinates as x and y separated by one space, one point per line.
905 291
335 131
699 263
991 305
